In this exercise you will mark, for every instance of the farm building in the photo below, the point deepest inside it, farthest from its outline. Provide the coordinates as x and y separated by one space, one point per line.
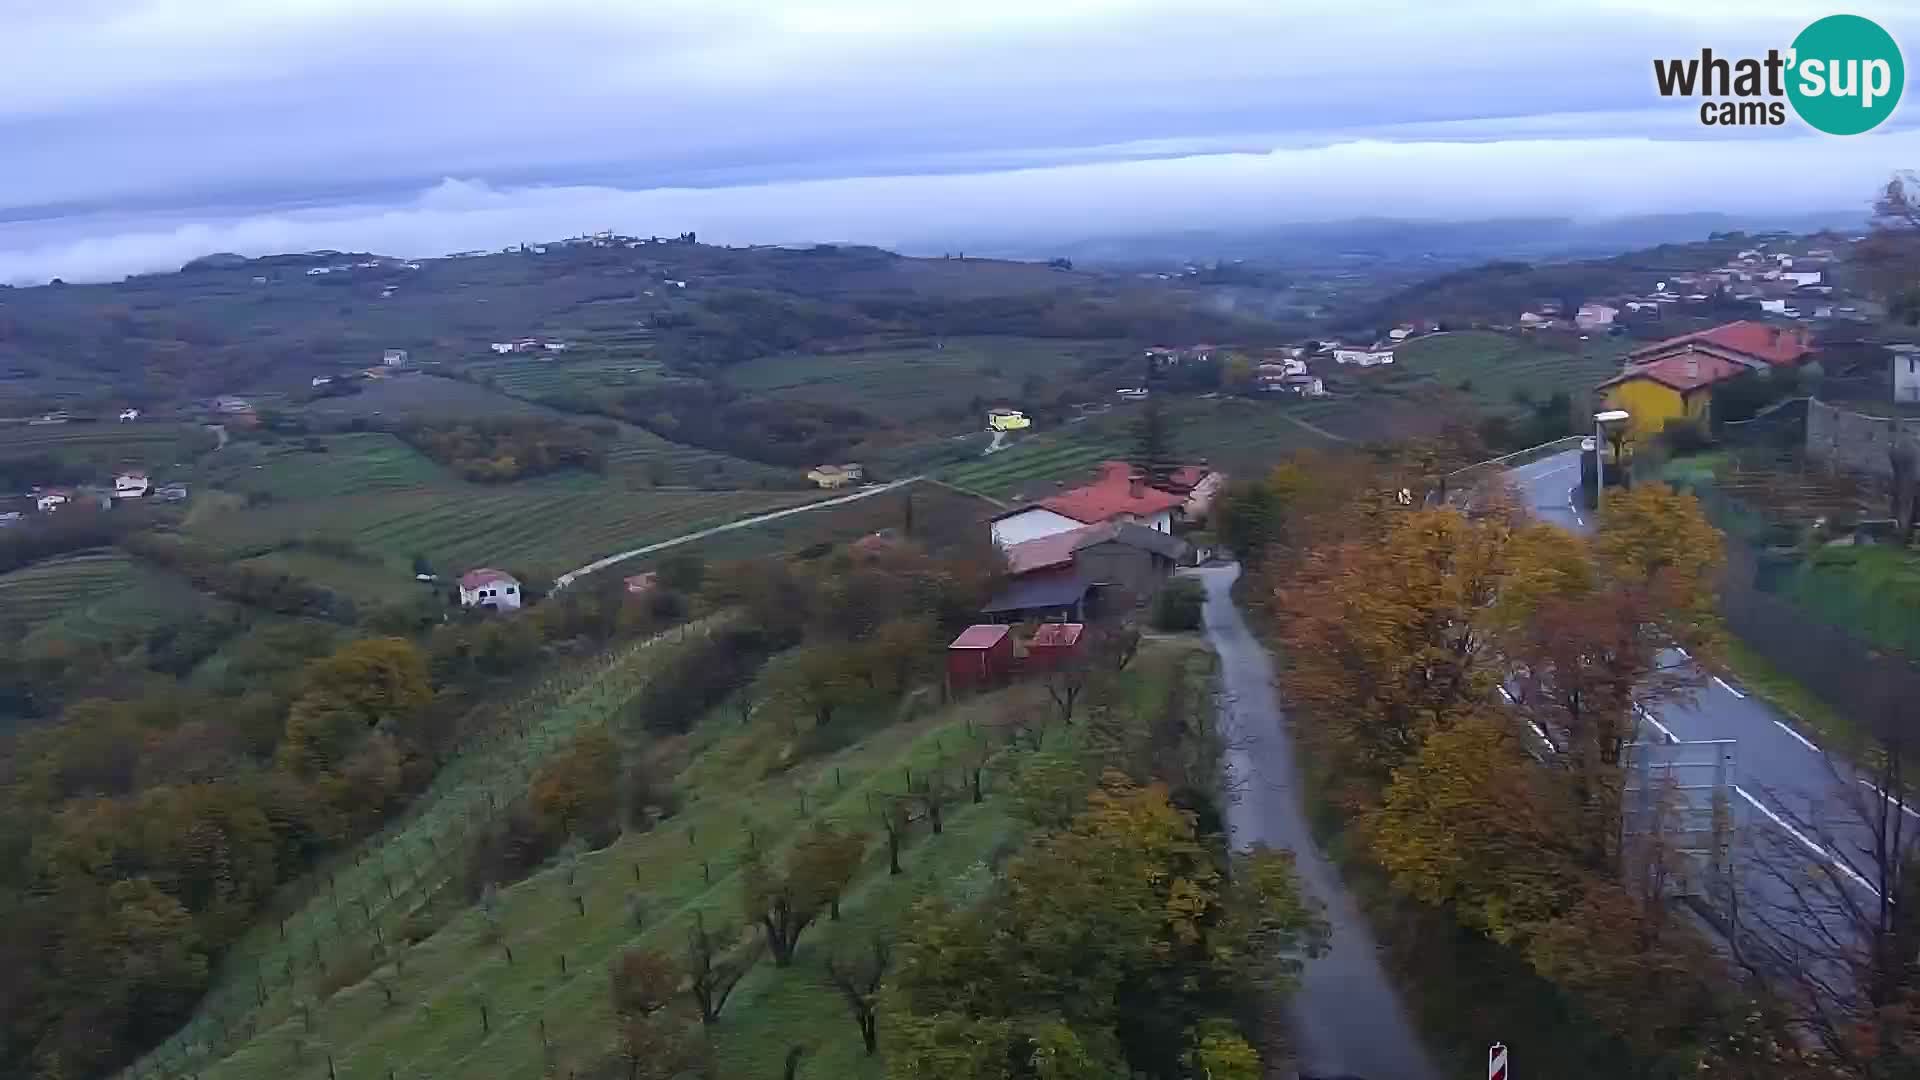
1118 495
981 656
1054 645
1363 355
1098 569
835 476
49 501
489 588
130 485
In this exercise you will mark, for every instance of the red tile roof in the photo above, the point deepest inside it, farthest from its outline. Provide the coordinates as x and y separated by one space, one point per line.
1682 371
1111 496
1763 342
474 579
1056 635
1056 550
984 636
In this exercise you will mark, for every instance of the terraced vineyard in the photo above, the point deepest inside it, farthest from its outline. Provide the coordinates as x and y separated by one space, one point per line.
47 590
923 380
1490 367
107 445
1034 462
350 464
540 527
544 375
640 457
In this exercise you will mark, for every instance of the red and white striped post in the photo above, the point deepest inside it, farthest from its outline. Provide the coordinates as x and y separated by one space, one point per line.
1497 1061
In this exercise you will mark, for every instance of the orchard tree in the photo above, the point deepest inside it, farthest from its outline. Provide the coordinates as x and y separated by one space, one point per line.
858 980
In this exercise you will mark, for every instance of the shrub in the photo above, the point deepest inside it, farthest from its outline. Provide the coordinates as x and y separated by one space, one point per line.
1178 605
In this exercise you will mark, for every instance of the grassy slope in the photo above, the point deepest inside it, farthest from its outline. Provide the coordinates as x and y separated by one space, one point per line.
734 783
1497 365
44 591
909 382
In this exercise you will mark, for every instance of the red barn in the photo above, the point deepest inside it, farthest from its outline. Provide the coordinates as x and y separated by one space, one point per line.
981 656
1054 644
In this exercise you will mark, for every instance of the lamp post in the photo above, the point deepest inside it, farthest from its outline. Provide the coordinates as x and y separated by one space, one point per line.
1600 422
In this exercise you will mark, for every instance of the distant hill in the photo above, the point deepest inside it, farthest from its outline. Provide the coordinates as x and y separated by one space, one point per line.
1458 242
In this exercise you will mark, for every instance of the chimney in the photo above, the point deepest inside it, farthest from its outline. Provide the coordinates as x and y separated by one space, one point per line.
1136 485
1693 368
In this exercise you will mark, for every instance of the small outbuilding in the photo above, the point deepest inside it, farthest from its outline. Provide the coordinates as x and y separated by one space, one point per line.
1054 645
981 656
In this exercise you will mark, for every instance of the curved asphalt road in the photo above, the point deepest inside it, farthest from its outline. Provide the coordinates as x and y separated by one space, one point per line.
1347 1017
1786 788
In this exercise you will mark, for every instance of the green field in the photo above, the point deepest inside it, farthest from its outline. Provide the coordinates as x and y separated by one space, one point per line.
1030 467
109 445
541 375
539 527
1496 366
341 465
45 591
924 380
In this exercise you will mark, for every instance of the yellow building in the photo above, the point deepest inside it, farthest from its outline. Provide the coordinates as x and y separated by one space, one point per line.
835 476
1007 420
1670 388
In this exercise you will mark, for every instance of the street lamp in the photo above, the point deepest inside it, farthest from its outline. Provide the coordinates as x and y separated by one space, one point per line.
1600 422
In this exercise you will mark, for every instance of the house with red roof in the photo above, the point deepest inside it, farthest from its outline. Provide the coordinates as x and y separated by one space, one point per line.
1089 572
1674 379
1120 494
489 588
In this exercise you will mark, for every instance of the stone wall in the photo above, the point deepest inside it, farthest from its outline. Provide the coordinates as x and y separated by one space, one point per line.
1853 441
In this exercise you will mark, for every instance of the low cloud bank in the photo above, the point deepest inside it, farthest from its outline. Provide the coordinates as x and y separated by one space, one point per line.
1585 178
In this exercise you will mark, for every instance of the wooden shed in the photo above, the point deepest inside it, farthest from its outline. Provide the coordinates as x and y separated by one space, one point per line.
981 656
1054 644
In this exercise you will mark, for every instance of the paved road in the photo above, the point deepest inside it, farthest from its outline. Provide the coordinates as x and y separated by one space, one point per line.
567 578
1347 1017
1784 782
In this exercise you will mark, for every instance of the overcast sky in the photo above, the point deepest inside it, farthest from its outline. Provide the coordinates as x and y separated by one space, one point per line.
137 133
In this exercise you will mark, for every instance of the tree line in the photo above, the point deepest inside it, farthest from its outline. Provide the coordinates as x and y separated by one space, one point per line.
1469 685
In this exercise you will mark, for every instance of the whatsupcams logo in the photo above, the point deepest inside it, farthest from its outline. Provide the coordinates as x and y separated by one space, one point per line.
1842 75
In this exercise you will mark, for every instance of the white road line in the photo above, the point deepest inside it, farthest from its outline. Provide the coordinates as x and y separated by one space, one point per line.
1651 719
1504 694
1543 736
1905 807
1802 738
1831 858
1727 688
1683 652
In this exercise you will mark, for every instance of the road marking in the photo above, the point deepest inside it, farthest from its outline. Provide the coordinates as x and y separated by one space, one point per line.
1803 739
1504 694
1543 736
1832 859
1904 806
1727 688
1683 652
1651 719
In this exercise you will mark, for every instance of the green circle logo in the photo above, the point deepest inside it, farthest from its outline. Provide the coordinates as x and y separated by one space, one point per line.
1846 75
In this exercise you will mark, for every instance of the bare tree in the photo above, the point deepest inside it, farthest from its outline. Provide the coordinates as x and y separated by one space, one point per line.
1829 917
1065 682
859 983
712 971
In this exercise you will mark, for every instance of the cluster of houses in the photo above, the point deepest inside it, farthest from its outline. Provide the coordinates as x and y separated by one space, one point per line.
1675 379
1101 550
343 268
1790 285
527 345
126 486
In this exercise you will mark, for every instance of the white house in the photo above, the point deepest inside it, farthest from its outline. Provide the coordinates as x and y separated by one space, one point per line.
316 271
501 347
1906 373
1400 333
555 346
1802 277
130 485
129 414
320 380
1363 356
489 588
1777 307
1529 318
49 501
394 358
1595 316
